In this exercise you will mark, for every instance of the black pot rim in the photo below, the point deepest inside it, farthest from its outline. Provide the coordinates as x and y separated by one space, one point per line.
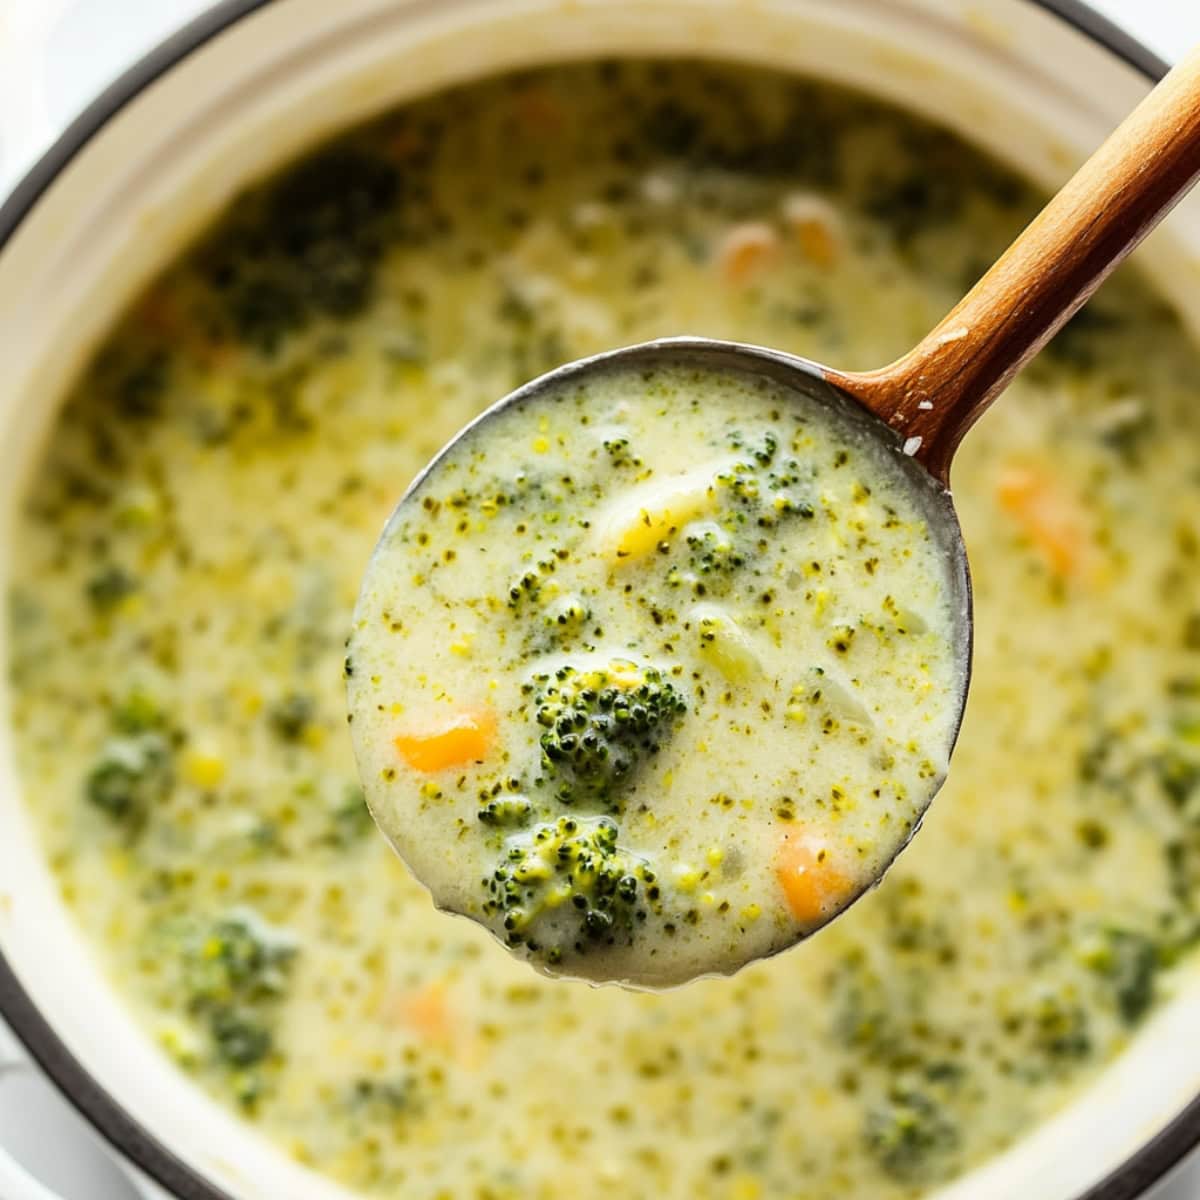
133 1141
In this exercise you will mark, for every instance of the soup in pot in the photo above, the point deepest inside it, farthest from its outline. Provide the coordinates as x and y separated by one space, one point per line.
190 550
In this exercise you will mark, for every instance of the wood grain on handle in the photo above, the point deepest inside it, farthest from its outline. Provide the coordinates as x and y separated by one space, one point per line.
938 390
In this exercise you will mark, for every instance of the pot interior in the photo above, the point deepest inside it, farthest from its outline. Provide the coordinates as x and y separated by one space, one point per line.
1023 84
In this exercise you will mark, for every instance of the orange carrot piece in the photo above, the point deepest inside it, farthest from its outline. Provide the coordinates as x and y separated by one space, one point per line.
1047 516
540 112
816 226
812 885
427 1012
745 251
466 737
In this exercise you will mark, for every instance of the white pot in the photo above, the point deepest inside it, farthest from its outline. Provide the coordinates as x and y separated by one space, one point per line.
1039 82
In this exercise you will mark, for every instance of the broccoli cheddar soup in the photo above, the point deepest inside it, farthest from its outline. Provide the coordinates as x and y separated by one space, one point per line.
656 670
190 551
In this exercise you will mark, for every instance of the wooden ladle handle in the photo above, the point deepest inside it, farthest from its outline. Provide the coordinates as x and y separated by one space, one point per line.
937 391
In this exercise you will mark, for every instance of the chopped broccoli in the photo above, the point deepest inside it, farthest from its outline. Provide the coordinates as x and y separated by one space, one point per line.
109 586
240 1039
600 724
138 712
505 809
567 886
1056 1026
140 390
711 550
1129 962
235 974
350 820
619 453
383 1098
308 245
291 715
1178 774
907 1133
130 777
241 959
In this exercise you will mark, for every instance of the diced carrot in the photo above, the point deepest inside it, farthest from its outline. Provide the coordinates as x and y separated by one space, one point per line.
427 1012
158 313
745 251
403 143
539 111
161 315
817 227
1046 514
812 884
465 737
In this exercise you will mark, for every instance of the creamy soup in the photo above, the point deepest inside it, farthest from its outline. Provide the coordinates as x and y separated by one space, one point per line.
193 542
656 670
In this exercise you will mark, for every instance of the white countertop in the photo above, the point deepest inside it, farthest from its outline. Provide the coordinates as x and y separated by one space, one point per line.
54 56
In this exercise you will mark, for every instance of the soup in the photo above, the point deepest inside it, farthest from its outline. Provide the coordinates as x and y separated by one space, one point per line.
656 671
194 538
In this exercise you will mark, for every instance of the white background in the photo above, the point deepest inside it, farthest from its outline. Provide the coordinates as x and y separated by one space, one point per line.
55 55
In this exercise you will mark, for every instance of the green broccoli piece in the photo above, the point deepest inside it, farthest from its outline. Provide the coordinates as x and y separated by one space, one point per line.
138 712
600 725
235 974
131 776
240 959
907 1133
350 821
382 1099
506 809
291 715
567 886
240 1039
1129 962
140 391
306 246
711 550
109 586
1057 1024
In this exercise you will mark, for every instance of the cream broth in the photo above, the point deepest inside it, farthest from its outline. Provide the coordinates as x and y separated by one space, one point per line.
192 545
656 672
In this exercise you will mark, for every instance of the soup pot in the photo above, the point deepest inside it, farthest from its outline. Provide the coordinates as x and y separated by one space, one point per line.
253 83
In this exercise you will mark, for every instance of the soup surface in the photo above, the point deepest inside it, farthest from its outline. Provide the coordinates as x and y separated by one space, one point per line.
194 538
656 671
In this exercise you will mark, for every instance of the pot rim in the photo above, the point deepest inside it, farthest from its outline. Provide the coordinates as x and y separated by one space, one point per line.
133 1141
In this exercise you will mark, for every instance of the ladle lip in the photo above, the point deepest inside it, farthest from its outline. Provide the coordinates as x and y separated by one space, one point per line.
789 371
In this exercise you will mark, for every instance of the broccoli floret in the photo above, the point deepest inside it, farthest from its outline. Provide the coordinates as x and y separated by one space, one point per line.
241 959
350 821
711 550
385 1098
567 886
907 1133
1178 774
139 392
109 586
235 974
139 712
131 775
600 725
291 715
309 245
239 1038
505 809
1129 962
1055 1028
